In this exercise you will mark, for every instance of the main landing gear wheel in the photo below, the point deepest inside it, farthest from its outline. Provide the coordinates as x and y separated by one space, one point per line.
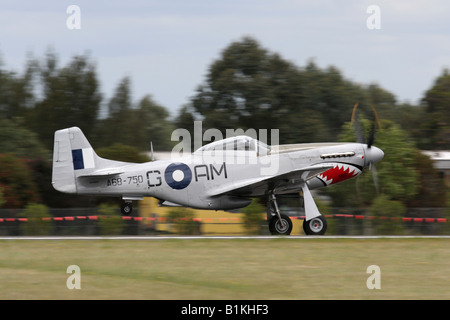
279 223
315 227
281 226
126 208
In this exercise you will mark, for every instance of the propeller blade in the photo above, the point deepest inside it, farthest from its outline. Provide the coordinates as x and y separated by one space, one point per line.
354 111
358 129
374 177
371 139
376 117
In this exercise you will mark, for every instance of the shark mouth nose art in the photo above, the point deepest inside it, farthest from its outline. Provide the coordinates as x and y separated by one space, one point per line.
339 172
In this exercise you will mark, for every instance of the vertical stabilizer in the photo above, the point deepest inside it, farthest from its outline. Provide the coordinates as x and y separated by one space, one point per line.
71 152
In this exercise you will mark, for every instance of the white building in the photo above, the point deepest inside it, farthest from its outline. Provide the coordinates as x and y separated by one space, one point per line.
441 161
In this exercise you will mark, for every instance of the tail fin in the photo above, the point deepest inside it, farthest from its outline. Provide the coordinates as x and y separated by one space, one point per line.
74 158
72 152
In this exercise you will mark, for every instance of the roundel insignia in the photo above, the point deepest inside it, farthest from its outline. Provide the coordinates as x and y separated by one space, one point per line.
178 175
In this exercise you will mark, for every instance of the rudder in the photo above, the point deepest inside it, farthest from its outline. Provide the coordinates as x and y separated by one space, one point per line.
72 151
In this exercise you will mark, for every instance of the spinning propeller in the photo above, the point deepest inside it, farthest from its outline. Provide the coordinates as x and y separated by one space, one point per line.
372 154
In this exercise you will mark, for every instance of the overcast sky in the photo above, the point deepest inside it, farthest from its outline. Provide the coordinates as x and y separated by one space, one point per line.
166 47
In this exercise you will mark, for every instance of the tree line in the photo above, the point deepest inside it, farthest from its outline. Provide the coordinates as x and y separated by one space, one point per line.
248 86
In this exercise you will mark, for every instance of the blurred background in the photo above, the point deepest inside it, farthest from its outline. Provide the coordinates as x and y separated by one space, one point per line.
130 72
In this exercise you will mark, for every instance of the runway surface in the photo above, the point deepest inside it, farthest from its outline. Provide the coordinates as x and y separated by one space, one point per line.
213 237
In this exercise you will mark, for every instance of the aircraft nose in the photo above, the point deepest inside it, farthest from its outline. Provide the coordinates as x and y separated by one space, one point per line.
373 155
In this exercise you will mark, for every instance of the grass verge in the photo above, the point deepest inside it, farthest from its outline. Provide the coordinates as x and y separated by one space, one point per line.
226 269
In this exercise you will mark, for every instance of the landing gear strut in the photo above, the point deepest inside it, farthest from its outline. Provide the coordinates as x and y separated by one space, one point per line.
126 208
279 223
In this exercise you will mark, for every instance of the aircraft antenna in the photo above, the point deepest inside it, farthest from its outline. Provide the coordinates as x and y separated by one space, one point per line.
151 149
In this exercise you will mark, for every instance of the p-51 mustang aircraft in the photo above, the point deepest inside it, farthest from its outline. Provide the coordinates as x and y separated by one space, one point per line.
222 175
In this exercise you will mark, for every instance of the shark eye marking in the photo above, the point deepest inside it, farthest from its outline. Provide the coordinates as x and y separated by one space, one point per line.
178 175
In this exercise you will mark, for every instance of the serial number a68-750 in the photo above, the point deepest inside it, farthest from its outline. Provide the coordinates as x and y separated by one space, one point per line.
114 182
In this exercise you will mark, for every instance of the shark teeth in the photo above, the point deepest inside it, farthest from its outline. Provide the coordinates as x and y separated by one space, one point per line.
338 173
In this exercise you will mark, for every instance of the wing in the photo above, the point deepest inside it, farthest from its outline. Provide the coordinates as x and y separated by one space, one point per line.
289 182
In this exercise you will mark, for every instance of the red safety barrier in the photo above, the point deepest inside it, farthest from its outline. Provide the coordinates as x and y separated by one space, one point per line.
222 219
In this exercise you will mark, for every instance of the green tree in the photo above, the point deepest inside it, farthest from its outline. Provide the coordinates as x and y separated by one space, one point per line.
118 127
185 120
431 187
152 124
383 101
121 102
2 201
183 221
135 125
254 215
435 127
250 87
71 97
17 182
36 225
387 211
411 119
16 91
121 152
20 141
111 222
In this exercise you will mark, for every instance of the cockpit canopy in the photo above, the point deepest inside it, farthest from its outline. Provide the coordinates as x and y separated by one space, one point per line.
238 143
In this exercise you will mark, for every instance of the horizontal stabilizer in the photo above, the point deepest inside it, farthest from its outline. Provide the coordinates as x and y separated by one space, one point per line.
102 173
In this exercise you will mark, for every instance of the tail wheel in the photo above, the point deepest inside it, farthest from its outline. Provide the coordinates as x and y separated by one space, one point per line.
280 227
316 226
126 208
